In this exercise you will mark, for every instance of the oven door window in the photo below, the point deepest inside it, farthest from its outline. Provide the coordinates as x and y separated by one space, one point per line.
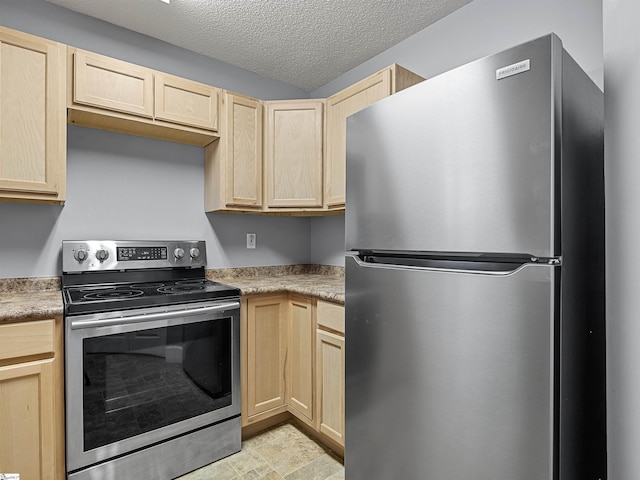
140 381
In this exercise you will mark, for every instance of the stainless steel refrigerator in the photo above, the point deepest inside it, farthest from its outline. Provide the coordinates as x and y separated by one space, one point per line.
475 275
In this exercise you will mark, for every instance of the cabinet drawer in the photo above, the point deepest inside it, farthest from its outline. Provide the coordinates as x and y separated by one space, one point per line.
331 316
26 338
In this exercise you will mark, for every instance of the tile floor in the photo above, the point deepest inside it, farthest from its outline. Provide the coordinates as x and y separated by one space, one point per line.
283 452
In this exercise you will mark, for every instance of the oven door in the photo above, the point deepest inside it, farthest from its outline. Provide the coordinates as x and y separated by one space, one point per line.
138 377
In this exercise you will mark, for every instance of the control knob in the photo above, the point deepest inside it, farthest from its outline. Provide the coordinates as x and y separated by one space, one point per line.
80 255
102 254
178 253
194 252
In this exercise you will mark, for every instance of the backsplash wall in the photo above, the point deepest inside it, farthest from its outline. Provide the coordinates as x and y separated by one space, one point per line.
126 187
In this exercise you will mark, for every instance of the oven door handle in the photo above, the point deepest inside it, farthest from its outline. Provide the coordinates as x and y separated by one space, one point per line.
107 322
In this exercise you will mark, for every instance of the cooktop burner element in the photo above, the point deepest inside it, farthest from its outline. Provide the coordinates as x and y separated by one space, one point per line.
184 286
101 276
111 293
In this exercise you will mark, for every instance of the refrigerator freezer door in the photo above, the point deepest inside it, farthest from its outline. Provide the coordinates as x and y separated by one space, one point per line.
462 162
449 375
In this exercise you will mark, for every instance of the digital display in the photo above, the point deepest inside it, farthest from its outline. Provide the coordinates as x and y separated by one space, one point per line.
141 253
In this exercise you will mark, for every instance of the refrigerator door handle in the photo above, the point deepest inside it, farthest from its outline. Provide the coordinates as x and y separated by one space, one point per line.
506 266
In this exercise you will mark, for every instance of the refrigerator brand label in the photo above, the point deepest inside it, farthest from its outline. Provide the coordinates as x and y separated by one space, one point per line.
514 69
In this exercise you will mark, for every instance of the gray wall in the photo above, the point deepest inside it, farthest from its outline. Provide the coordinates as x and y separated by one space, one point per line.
484 27
478 29
127 187
622 153
327 240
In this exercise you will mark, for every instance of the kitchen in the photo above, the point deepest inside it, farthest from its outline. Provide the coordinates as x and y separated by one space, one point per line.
98 196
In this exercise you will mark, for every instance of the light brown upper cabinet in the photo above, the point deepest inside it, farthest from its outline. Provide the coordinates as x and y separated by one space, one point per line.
33 130
104 82
293 153
347 102
294 162
110 94
185 102
268 159
233 164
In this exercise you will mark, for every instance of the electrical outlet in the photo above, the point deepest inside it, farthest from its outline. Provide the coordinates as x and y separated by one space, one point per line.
251 240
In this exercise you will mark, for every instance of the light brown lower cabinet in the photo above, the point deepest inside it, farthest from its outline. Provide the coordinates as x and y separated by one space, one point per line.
330 366
300 359
264 341
31 399
292 350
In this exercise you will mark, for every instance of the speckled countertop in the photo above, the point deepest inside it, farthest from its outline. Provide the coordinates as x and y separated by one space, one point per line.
321 281
34 298
29 298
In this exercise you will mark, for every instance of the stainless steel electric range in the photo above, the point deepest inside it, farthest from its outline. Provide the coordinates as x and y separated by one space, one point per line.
152 360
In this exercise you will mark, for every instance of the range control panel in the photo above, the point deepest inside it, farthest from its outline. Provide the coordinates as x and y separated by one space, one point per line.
102 255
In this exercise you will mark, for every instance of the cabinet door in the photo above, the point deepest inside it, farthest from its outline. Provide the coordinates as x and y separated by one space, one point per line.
112 84
330 384
266 350
300 358
243 137
33 128
293 141
185 102
339 107
27 424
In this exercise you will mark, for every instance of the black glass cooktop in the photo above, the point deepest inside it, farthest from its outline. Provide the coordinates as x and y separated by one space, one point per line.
110 297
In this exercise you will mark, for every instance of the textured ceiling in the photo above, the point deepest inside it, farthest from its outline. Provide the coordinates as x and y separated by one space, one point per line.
305 43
